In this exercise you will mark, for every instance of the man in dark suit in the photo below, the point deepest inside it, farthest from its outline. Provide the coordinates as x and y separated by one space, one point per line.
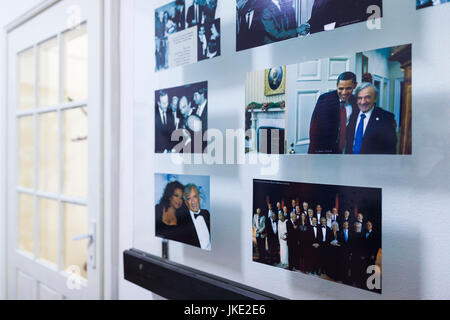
293 241
325 239
195 14
180 16
250 31
345 240
313 247
164 124
331 115
276 22
346 218
358 256
194 227
272 238
371 130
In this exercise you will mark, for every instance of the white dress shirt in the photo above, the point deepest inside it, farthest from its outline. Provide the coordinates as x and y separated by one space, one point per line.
202 231
324 233
201 108
348 109
249 18
277 3
366 121
162 113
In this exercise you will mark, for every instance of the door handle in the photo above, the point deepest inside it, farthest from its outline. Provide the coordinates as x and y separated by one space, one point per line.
92 247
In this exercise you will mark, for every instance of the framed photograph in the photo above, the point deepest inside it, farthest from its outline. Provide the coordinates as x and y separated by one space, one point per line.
182 209
328 232
275 81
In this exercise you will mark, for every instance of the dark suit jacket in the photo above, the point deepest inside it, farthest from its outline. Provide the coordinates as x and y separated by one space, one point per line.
187 232
249 37
190 18
180 19
163 132
328 237
380 136
276 24
325 124
272 237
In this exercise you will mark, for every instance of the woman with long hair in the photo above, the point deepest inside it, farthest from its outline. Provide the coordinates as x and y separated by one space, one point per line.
166 219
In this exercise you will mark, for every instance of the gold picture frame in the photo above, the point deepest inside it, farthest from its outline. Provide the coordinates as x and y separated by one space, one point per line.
275 81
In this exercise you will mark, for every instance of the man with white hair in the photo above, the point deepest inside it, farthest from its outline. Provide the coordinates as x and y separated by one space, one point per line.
372 130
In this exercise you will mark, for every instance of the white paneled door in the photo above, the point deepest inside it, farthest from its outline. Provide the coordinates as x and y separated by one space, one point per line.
55 152
306 81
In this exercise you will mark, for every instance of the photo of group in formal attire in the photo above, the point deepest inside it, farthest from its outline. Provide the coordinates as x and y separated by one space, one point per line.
420 4
181 119
359 103
261 22
330 232
186 31
182 209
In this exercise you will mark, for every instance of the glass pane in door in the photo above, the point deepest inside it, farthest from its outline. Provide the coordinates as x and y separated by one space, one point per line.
75 252
26 223
26 61
48 73
75 64
75 152
26 152
48 153
48 230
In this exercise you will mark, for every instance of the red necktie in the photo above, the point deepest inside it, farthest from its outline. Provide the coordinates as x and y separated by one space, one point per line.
343 127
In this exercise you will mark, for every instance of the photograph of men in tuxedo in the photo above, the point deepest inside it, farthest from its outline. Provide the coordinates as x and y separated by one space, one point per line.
248 25
331 115
164 123
371 130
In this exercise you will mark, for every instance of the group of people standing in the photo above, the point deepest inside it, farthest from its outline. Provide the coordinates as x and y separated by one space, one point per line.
338 246
185 110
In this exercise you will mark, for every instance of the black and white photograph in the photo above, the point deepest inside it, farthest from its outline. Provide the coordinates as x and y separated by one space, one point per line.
181 119
326 231
420 4
261 22
209 40
186 31
182 209
358 103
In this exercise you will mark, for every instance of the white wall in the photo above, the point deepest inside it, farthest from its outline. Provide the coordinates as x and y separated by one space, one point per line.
416 240
8 12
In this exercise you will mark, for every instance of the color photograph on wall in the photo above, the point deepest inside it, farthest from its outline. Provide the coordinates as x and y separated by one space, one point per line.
186 31
261 22
359 103
182 209
181 119
420 4
326 231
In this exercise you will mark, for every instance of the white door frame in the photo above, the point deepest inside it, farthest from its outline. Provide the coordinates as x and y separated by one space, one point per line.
111 131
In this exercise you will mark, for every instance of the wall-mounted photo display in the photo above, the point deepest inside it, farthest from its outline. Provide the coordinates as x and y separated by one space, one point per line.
420 4
330 232
260 22
186 31
181 119
182 209
359 103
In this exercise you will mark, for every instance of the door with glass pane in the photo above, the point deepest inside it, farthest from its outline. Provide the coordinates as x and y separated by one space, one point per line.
54 154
